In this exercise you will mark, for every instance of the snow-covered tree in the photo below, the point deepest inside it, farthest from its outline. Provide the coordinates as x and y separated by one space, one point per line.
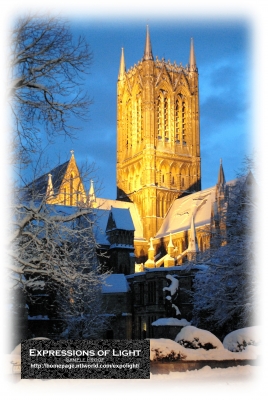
52 248
225 291
53 253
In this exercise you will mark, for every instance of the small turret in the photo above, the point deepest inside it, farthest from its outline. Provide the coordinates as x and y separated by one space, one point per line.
150 262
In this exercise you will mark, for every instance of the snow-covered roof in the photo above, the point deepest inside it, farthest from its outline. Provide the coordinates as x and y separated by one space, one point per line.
122 218
106 204
170 322
115 283
198 205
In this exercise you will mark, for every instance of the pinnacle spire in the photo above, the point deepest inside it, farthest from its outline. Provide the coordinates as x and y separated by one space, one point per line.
50 190
221 177
148 54
192 62
192 247
122 67
91 195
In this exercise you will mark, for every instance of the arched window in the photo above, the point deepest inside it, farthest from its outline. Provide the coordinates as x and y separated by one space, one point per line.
139 120
183 120
159 117
166 122
71 189
177 122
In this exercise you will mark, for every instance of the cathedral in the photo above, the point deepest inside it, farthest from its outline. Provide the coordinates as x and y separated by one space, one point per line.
161 217
158 154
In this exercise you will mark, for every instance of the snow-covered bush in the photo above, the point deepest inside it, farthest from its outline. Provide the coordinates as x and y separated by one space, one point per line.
194 338
241 338
166 350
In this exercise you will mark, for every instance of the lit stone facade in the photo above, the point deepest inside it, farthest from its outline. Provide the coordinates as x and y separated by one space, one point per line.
158 139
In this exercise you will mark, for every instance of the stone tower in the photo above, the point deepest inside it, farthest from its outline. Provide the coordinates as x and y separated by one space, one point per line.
158 139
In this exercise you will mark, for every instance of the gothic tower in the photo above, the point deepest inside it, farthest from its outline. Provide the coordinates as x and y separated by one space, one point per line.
158 140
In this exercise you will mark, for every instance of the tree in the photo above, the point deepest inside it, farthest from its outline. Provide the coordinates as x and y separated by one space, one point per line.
53 250
54 253
224 296
47 81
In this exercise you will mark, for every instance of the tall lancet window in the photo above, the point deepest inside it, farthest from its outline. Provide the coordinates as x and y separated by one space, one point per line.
128 125
177 122
159 117
71 189
183 120
139 120
166 121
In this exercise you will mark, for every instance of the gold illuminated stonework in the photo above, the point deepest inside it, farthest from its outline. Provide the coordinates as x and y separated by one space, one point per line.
158 139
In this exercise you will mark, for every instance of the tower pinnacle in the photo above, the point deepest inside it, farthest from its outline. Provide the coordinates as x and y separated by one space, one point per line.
192 62
148 54
122 67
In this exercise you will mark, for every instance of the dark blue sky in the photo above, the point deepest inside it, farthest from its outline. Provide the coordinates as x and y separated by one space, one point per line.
223 56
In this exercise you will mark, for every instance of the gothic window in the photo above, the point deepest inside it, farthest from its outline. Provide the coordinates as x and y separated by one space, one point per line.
183 119
139 120
177 122
128 124
159 117
166 125
141 299
152 292
71 189
64 196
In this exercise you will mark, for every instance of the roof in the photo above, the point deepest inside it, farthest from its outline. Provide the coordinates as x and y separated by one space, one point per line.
115 283
38 187
198 205
121 218
107 204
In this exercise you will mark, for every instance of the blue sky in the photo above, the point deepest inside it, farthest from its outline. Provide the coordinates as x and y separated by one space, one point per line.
223 54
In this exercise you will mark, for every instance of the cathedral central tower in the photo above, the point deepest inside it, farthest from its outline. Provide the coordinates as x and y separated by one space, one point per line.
158 139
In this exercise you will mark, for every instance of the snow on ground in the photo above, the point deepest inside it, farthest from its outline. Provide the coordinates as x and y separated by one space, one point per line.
207 383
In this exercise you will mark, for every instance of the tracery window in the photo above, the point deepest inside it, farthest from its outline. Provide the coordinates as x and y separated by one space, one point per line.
139 120
163 116
183 119
71 189
177 122
180 121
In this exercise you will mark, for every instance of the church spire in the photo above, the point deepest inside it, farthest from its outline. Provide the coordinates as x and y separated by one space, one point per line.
192 62
122 67
148 54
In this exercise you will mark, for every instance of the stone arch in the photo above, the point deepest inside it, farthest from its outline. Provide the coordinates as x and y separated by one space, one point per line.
174 171
164 174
